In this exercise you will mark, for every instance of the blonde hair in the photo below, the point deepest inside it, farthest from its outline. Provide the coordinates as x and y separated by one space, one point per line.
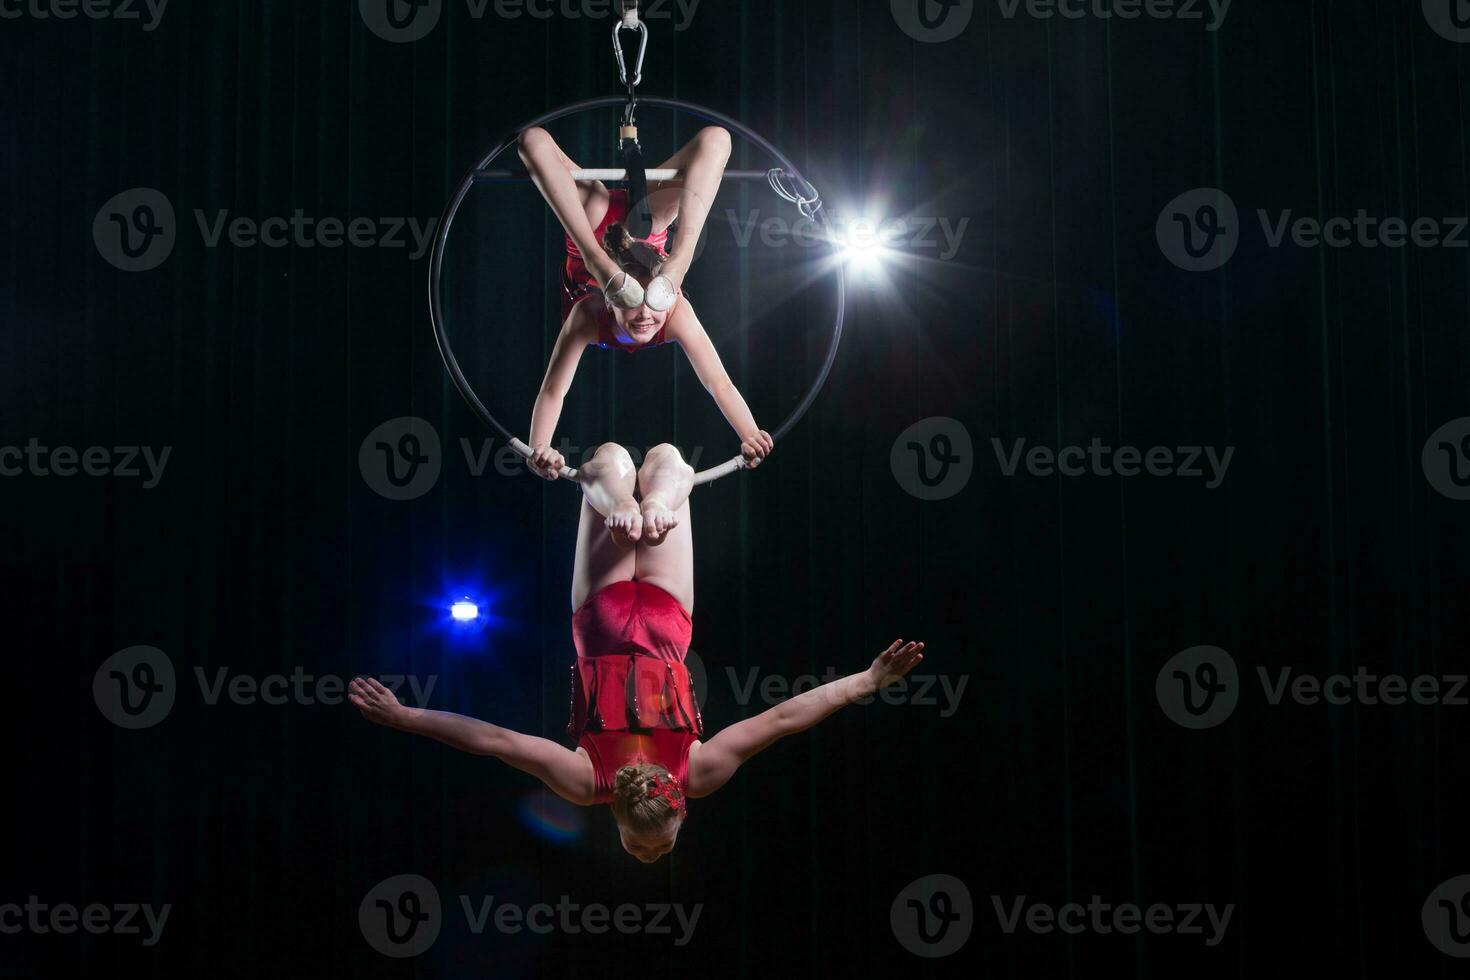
632 806
633 255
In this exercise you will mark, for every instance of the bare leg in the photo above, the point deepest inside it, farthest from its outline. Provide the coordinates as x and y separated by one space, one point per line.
690 198
670 566
664 481
608 480
600 560
551 169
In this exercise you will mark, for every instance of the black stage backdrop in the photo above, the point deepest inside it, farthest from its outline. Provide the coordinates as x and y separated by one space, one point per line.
1102 251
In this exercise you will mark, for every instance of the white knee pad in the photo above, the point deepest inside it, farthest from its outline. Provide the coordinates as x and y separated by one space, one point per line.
661 294
624 292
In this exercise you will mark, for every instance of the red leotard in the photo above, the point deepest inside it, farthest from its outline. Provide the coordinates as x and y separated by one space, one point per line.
632 699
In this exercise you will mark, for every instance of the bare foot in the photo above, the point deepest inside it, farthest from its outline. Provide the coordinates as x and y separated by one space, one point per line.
658 520
625 523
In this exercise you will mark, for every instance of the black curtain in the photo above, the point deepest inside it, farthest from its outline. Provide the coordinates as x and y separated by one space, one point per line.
1033 757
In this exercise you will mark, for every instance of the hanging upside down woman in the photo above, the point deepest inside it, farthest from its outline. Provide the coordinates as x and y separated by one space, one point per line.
625 293
635 720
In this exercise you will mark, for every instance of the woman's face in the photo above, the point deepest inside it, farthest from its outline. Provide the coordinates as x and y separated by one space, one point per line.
648 847
642 323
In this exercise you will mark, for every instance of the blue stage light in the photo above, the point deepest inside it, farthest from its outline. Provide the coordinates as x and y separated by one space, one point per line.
464 611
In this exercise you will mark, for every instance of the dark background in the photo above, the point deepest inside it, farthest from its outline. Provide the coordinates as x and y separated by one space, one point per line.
264 550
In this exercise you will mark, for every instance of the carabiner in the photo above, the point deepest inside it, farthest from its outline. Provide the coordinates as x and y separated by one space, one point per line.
642 30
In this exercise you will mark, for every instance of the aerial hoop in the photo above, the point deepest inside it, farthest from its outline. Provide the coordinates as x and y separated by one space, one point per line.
785 180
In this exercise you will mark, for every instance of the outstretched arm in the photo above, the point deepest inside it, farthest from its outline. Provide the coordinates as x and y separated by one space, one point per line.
684 326
565 356
565 773
713 763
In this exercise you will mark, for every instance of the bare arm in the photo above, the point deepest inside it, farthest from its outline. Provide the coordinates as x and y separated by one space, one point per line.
566 773
684 326
562 368
713 763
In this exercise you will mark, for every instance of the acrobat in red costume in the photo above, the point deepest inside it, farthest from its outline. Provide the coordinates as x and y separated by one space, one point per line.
634 715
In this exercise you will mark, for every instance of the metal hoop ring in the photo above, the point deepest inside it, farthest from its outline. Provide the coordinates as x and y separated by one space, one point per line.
436 269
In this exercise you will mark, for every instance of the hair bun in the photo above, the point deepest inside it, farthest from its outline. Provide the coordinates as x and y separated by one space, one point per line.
617 238
633 255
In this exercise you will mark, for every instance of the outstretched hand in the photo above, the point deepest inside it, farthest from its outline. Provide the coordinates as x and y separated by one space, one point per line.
377 704
893 663
756 448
